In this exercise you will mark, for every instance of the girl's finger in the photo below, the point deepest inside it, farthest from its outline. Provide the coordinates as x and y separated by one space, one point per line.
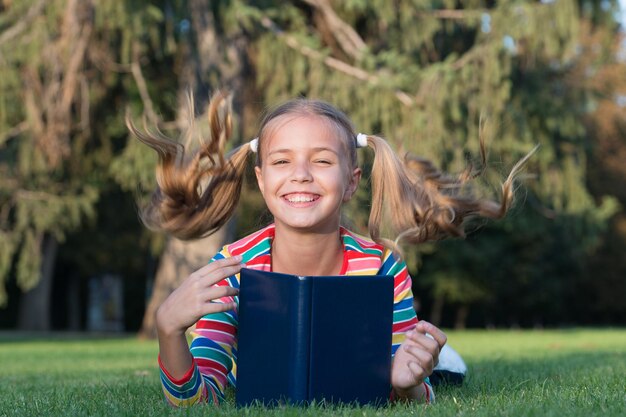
227 272
426 342
215 307
425 359
439 336
418 372
212 267
217 292
219 275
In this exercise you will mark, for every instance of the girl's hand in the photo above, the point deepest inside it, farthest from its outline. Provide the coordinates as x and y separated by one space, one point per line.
194 298
416 358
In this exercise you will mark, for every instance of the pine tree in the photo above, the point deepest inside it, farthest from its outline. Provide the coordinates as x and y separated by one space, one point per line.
44 120
423 74
64 63
210 58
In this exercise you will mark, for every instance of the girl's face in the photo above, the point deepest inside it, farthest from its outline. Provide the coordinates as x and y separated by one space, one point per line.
305 175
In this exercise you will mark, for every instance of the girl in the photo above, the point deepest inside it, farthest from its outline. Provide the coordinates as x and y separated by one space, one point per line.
306 169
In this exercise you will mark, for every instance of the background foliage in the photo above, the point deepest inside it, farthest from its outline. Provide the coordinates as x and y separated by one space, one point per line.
422 73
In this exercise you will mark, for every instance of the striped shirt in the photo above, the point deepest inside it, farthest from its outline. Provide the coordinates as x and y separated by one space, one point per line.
214 343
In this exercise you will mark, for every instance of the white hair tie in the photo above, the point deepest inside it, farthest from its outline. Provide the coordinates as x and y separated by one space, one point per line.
361 140
254 145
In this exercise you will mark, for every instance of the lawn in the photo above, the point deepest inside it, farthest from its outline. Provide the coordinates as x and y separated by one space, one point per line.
511 373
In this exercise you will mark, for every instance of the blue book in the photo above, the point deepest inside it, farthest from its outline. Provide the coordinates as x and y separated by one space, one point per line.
313 338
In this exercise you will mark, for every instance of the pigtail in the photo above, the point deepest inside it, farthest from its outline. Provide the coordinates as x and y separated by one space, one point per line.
198 186
424 203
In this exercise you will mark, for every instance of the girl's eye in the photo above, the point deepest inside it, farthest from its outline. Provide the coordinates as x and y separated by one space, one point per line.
279 162
323 161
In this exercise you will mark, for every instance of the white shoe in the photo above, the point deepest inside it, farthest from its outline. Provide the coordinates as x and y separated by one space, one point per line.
451 368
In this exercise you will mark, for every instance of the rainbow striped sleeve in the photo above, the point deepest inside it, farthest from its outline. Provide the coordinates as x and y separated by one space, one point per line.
187 390
212 348
430 392
404 318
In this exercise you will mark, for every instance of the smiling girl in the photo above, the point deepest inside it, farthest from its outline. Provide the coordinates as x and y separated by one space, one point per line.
306 169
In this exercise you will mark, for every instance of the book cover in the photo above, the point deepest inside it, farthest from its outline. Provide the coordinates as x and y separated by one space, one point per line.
313 338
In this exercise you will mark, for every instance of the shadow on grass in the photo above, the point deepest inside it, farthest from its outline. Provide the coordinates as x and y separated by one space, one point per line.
508 378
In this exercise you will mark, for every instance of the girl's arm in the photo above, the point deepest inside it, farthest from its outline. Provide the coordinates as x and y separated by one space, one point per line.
191 375
421 393
414 362
174 352
404 322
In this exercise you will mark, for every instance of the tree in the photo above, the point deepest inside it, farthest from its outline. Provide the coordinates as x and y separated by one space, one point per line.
64 63
42 142
603 72
210 58
424 75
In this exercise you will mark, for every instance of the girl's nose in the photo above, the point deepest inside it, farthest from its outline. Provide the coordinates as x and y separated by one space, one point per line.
301 172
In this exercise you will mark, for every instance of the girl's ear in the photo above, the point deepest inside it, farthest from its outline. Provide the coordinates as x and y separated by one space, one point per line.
259 178
353 184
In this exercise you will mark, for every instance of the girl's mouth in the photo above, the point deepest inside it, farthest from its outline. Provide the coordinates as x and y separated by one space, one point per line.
301 198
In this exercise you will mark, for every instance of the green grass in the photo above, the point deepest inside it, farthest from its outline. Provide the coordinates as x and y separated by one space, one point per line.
511 373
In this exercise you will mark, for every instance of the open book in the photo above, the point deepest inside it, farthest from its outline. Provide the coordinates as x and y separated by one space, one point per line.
313 338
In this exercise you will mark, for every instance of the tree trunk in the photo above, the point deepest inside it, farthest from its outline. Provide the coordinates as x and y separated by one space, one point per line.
74 312
436 311
179 259
461 317
214 61
210 58
34 312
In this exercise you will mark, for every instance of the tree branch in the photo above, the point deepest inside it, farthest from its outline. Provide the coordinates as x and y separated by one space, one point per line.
70 81
331 62
34 99
84 104
35 195
452 14
135 69
350 41
34 11
360 74
14 131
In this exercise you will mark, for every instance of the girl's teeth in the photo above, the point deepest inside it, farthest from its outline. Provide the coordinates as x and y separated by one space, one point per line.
300 199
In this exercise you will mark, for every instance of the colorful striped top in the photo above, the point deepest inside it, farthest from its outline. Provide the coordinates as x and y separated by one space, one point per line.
214 344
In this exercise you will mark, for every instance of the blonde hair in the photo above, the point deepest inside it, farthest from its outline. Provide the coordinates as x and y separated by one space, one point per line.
197 193
426 204
198 187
